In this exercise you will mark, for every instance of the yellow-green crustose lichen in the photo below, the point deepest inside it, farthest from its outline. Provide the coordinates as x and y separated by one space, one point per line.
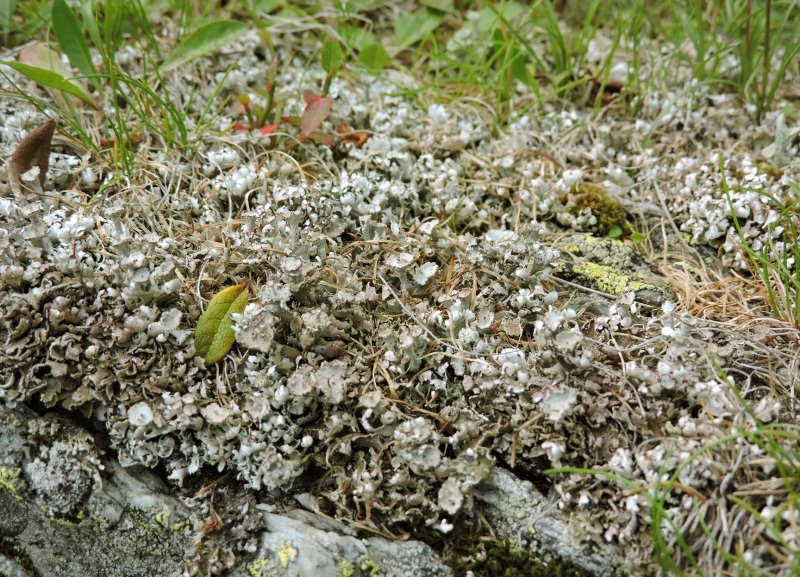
63 522
610 280
261 567
370 567
286 554
257 567
162 519
346 568
6 477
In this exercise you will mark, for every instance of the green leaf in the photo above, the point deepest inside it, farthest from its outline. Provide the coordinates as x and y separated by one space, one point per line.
374 56
332 56
355 36
411 28
49 71
637 237
214 336
204 40
614 232
71 40
441 5
114 20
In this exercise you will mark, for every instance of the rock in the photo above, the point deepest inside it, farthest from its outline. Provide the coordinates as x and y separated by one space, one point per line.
301 544
523 515
66 510
611 266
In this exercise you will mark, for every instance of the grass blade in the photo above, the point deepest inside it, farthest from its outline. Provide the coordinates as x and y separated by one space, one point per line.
53 76
202 41
6 12
69 34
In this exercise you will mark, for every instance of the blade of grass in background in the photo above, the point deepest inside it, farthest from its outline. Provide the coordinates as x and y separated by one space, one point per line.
6 12
204 40
72 42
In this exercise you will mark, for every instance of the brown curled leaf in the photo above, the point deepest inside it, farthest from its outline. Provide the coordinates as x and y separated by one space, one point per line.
33 151
347 134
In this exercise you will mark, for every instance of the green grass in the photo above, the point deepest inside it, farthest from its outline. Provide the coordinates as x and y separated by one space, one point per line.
489 56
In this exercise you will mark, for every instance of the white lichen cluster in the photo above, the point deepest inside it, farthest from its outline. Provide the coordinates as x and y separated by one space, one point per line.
412 325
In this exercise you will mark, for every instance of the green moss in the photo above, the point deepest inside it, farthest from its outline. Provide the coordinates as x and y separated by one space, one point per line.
492 559
608 212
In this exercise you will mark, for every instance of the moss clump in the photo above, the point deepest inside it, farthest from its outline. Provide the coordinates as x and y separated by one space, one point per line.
608 212
493 559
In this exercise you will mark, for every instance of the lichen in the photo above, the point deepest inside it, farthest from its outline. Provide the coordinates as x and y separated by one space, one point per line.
256 567
486 559
369 566
346 568
286 554
6 481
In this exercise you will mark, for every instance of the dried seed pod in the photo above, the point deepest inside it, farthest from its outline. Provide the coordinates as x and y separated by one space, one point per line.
32 151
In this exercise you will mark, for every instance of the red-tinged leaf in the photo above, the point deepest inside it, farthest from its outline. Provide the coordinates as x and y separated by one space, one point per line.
264 130
314 115
309 97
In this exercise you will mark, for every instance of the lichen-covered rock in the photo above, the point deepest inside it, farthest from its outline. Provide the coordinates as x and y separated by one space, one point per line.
65 509
306 544
610 266
521 514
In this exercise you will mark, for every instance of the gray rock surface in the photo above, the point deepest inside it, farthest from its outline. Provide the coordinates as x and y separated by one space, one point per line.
524 516
67 510
302 543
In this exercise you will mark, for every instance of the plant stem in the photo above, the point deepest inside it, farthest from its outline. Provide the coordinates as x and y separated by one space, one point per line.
762 98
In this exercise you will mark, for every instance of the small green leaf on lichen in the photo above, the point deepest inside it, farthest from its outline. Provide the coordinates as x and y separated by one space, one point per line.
214 337
332 56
